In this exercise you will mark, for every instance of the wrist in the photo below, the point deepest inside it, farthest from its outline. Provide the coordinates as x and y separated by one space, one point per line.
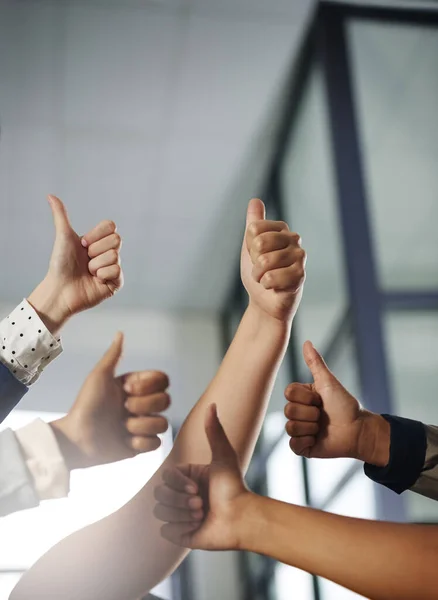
264 321
374 440
46 300
73 456
249 521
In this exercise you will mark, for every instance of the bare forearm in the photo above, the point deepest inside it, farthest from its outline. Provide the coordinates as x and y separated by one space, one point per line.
240 389
124 555
379 560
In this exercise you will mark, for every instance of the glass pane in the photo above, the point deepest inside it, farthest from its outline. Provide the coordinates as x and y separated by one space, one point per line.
325 474
311 210
284 468
285 482
355 500
396 86
413 363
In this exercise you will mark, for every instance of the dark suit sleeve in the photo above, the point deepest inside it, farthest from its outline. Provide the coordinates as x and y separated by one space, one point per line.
407 456
11 391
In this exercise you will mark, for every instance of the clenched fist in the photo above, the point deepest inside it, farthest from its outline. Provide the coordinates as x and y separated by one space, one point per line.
113 418
272 264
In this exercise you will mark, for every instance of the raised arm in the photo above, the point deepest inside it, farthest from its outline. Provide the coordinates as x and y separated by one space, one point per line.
83 272
378 560
124 555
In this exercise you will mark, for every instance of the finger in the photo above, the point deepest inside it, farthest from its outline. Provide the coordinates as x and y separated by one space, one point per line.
169 497
256 211
102 230
143 383
268 242
256 228
112 356
146 426
177 479
320 372
302 393
110 242
302 446
59 212
147 405
142 444
179 534
301 429
300 412
271 261
110 274
107 259
177 515
286 279
221 448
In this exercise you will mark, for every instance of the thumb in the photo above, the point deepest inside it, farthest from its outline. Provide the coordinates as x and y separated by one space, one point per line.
256 211
60 217
112 356
221 449
320 372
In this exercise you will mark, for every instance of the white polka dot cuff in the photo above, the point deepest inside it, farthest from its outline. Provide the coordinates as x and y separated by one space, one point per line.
26 345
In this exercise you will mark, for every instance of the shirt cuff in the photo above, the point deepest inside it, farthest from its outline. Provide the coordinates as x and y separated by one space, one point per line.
26 345
44 460
406 455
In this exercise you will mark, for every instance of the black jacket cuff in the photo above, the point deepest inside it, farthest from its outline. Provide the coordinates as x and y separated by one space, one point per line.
407 455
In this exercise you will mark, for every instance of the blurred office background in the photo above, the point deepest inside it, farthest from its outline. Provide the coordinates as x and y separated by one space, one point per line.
167 116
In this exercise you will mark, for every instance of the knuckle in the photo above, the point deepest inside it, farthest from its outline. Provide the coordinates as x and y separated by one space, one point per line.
113 254
260 244
253 229
283 225
117 239
162 425
109 224
263 261
295 237
301 255
268 278
163 379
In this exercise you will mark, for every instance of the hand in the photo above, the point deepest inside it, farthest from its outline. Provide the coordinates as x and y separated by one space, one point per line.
326 421
201 504
113 418
82 271
272 264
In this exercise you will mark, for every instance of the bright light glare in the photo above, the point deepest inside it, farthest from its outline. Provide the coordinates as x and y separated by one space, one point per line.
94 493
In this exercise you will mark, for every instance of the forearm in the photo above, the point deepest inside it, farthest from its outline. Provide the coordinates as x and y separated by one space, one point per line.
124 555
241 390
378 560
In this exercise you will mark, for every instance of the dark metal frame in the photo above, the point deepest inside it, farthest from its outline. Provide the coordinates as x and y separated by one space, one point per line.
326 42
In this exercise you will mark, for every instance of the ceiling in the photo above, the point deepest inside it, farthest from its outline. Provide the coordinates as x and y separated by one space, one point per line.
145 113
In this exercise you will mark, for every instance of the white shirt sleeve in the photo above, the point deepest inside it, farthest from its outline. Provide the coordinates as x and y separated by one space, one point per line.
26 345
44 460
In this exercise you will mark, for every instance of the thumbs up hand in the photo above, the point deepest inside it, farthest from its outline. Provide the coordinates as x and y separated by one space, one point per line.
82 271
113 418
272 264
202 505
326 421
